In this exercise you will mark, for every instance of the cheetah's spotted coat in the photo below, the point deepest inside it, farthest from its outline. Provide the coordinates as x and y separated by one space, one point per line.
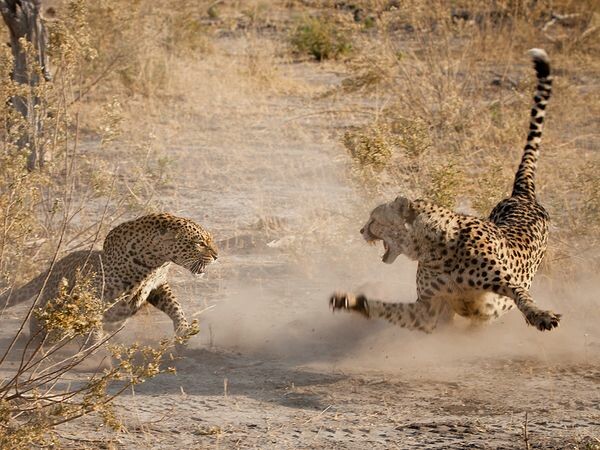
477 268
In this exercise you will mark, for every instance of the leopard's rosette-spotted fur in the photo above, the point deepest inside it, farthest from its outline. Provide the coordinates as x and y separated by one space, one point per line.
130 270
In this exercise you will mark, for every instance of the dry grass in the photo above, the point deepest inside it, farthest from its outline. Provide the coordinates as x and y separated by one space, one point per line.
461 73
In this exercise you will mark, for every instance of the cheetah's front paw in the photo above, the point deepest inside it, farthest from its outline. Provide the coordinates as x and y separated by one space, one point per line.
347 301
543 320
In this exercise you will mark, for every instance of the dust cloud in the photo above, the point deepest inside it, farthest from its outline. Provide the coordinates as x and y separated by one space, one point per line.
270 299
288 319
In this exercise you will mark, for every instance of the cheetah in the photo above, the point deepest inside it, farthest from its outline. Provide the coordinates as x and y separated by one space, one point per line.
130 270
476 268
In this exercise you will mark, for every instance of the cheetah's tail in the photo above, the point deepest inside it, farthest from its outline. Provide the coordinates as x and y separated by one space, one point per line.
525 177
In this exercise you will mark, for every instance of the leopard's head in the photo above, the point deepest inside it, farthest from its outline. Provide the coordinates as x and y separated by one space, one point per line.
156 239
391 223
153 240
187 244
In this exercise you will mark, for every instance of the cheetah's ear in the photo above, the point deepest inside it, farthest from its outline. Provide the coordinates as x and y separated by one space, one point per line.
405 208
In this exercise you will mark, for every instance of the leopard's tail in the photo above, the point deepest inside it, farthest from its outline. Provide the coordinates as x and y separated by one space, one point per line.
29 290
525 178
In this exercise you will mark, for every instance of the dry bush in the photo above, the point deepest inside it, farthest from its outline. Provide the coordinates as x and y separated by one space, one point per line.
32 403
75 311
371 147
69 204
321 37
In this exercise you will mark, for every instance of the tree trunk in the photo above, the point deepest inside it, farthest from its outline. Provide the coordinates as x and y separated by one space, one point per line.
24 22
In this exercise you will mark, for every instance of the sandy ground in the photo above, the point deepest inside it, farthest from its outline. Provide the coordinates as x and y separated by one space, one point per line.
272 366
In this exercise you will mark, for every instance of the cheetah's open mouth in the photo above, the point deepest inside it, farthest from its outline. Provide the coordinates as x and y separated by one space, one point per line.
373 239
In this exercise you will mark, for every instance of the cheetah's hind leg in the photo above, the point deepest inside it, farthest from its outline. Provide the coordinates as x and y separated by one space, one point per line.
539 318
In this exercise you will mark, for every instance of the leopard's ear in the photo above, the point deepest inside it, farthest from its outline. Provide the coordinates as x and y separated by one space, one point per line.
167 227
405 208
165 236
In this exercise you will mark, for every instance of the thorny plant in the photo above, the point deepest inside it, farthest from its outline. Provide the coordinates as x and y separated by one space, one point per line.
45 213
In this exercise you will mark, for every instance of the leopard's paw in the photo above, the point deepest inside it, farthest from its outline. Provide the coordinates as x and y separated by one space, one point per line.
183 334
349 302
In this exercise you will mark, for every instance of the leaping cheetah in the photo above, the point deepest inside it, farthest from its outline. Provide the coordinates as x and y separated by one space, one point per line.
477 268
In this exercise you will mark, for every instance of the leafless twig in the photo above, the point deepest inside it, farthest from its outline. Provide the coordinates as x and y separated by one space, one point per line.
525 434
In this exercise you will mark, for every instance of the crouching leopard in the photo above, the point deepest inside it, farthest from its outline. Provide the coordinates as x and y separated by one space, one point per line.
477 268
130 270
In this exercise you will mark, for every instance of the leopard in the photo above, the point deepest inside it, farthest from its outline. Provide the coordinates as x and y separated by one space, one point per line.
477 268
129 272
